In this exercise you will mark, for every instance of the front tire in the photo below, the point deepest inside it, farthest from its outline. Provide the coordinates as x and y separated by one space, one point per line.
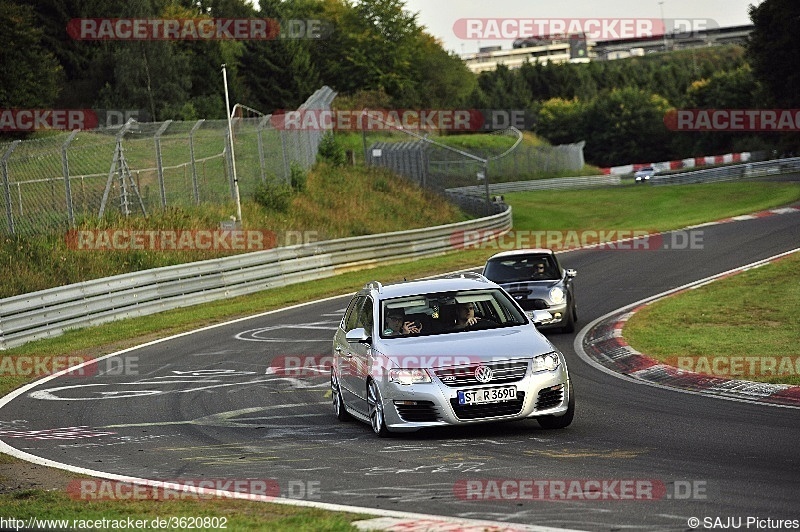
563 421
569 326
376 415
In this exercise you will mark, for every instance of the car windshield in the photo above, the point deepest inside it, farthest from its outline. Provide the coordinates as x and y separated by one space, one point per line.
448 312
522 268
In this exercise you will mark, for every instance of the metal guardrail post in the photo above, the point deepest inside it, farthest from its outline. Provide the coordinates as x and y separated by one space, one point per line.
195 186
160 163
67 186
7 185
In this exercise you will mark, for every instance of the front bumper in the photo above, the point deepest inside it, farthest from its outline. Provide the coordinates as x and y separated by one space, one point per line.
415 406
559 313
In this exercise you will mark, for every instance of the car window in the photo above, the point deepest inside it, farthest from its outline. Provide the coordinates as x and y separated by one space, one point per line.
354 317
365 318
522 268
359 314
437 313
351 316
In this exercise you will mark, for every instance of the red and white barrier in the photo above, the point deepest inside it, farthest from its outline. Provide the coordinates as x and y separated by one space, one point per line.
691 162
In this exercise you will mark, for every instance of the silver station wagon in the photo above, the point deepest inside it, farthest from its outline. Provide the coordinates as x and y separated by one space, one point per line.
456 350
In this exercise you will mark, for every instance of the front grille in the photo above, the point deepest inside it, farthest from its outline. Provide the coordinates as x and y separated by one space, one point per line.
502 372
550 397
419 412
507 408
533 304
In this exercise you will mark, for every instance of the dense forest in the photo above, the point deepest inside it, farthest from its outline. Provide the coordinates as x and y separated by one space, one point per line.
378 55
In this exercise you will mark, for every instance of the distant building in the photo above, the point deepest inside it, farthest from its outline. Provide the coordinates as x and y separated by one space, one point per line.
573 48
577 49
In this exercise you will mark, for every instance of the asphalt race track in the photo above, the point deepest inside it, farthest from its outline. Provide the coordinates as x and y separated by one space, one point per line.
206 405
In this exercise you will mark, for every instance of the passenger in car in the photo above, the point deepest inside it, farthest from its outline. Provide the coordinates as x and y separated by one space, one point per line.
396 324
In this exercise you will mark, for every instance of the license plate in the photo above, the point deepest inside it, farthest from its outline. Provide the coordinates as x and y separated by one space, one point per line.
487 395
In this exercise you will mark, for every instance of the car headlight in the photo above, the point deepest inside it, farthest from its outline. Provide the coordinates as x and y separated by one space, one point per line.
546 362
556 295
409 376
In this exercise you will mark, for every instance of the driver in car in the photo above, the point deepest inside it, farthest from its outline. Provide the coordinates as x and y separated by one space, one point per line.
465 315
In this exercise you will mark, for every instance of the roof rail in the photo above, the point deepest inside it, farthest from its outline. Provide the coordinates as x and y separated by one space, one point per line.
467 275
374 285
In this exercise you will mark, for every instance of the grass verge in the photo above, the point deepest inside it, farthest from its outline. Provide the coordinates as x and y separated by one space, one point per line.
741 327
233 514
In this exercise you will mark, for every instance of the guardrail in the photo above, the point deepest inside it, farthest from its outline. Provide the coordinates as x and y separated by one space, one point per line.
730 173
50 312
557 183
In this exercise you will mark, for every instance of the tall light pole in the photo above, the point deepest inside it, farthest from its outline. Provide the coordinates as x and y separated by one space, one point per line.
663 24
233 156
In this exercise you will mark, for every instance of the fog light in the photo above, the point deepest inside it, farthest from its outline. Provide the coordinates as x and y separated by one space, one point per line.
557 316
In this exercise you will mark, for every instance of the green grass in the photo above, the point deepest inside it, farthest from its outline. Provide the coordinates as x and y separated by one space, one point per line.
753 314
239 515
645 207
336 202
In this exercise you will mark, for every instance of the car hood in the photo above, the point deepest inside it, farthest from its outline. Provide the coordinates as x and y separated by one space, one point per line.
535 288
465 347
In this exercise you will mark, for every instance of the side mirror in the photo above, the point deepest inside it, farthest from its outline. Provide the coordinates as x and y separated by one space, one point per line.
571 273
357 336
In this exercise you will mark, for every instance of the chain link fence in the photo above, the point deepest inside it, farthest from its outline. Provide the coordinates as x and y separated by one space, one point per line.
429 162
438 163
50 183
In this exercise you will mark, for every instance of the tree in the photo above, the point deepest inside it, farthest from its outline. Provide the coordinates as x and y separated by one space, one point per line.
277 74
441 79
626 125
772 49
31 74
561 121
373 48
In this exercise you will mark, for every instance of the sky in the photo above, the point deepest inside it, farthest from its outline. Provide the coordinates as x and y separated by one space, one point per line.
439 16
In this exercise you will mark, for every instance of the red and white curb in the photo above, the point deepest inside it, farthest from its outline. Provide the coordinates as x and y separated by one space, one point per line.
602 345
761 214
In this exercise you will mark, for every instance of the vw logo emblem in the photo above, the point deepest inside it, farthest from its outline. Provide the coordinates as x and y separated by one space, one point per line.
483 374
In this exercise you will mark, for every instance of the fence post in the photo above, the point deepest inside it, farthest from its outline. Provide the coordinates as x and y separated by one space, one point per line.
159 162
67 186
7 185
195 186
118 158
261 161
